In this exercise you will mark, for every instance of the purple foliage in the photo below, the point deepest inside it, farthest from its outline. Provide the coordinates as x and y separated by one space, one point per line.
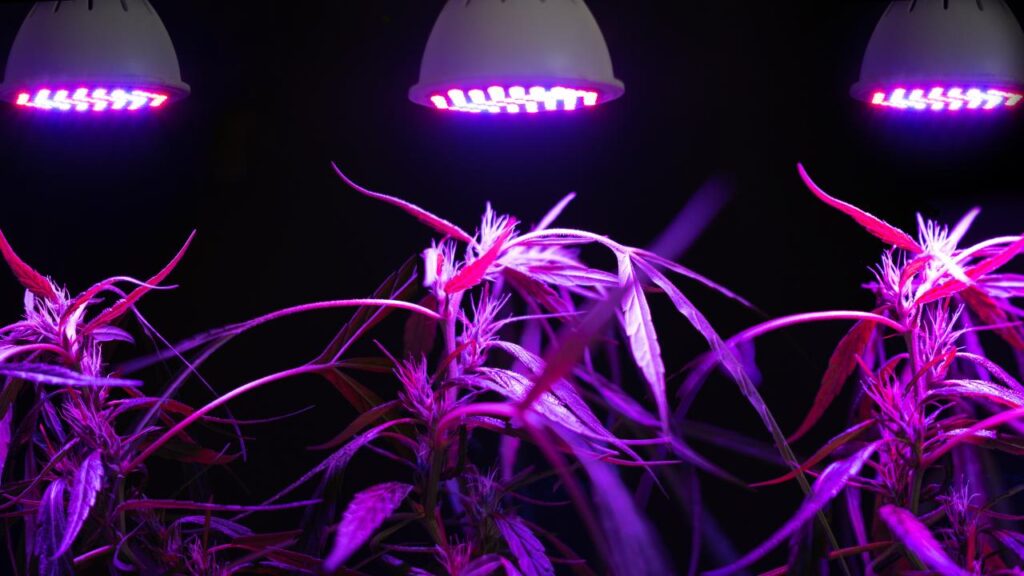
363 517
920 424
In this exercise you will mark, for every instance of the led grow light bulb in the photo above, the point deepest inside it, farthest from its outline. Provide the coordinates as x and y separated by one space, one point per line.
941 99
944 56
96 56
514 56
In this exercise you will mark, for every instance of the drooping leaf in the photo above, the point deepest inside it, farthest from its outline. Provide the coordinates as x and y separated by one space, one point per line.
438 224
50 375
367 512
398 286
841 366
909 531
525 547
638 324
32 281
632 545
87 483
825 489
121 307
877 227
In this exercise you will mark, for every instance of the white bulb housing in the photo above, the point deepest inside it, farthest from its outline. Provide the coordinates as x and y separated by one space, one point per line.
944 55
93 55
516 56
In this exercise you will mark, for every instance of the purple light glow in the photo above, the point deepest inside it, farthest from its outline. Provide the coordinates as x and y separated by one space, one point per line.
90 100
953 99
515 99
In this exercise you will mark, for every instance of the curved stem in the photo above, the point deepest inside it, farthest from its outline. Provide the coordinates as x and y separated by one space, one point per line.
177 428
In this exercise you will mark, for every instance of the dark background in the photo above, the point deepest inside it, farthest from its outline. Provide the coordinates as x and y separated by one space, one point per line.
280 89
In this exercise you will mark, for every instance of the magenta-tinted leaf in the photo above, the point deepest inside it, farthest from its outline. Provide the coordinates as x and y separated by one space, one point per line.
560 404
475 272
975 273
87 483
439 224
909 531
825 489
877 227
525 547
56 376
643 338
28 277
978 389
121 307
367 512
840 367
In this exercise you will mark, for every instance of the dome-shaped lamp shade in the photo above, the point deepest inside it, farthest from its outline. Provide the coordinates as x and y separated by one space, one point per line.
945 56
93 56
516 56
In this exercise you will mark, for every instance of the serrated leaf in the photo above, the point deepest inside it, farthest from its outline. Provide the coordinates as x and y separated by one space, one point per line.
874 225
87 483
525 547
367 512
638 324
437 223
33 281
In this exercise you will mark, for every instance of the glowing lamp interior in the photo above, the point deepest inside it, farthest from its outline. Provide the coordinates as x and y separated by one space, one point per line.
515 99
946 99
91 99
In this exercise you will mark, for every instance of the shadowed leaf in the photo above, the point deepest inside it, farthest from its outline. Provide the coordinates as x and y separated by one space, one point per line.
909 531
525 547
841 366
